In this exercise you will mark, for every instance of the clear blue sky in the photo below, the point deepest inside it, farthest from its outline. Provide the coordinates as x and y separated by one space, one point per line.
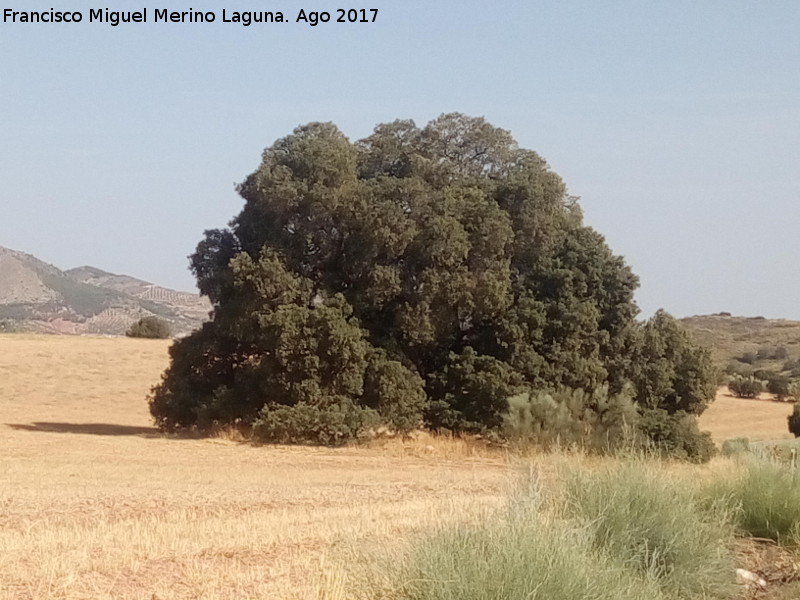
676 122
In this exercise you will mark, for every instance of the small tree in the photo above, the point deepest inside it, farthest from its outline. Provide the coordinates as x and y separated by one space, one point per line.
149 327
745 387
779 385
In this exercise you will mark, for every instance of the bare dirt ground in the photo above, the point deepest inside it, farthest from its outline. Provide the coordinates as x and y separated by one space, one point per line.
95 504
759 419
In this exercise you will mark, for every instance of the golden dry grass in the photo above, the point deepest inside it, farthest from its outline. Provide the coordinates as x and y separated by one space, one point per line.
760 419
94 504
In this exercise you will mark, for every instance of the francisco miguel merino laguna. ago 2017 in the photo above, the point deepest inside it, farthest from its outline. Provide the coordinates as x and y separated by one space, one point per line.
163 15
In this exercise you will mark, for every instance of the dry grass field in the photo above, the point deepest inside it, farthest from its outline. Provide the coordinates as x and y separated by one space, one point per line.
763 419
95 504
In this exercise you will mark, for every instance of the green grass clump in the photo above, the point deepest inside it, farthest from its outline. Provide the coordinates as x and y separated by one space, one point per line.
655 527
615 532
514 557
765 501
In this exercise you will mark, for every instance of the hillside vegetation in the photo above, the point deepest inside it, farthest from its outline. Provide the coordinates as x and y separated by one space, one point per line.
733 338
36 296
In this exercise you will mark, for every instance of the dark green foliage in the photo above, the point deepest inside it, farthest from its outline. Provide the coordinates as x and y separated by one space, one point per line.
794 421
745 387
149 327
332 425
431 271
779 385
676 435
471 392
670 371
395 392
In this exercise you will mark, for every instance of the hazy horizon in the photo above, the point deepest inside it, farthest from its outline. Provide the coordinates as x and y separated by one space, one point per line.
678 126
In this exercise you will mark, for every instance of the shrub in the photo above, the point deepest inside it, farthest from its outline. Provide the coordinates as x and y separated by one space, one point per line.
772 353
736 446
395 392
794 420
596 420
677 435
748 358
303 423
791 364
779 385
737 368
654 525
745 387
149 327
670 370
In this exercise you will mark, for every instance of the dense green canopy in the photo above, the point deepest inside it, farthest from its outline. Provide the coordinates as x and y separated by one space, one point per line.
418 273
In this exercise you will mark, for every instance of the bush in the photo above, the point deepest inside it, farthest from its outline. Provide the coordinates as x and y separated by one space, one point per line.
737 368
745 387
748 358
149 327
396 393
736 446
596 420
677 435
791 364
779 385
670 370
794 421
333 425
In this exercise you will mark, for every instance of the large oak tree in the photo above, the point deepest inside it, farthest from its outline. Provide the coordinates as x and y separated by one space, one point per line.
418 274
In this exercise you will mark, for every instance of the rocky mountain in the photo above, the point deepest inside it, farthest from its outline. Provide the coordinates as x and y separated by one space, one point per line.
36 296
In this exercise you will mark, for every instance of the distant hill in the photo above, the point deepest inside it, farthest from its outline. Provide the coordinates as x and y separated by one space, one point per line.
754 341
36 296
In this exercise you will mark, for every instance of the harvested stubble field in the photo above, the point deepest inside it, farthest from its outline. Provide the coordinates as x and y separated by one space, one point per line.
95 504
761 419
